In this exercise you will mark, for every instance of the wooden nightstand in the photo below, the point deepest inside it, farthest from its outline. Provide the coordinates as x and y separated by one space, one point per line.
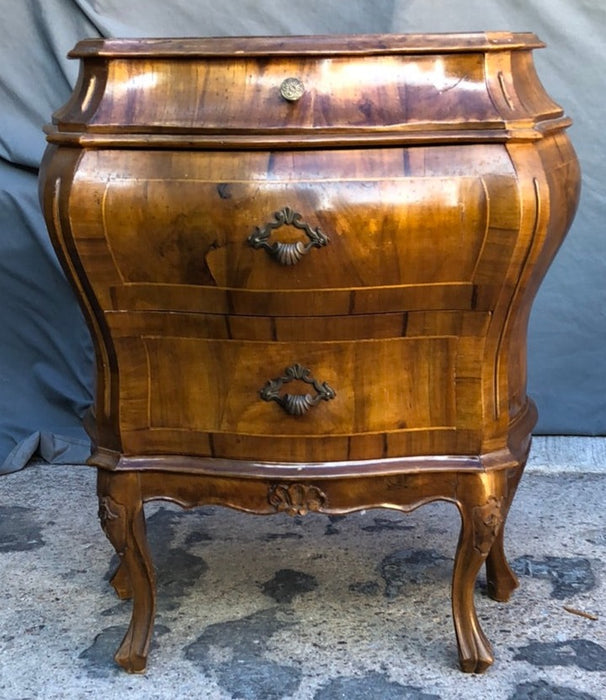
307 264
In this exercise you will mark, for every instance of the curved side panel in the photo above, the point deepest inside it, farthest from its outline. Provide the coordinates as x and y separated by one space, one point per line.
56 178
549 179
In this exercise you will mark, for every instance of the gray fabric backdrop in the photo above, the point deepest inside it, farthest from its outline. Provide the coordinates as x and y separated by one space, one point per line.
45 351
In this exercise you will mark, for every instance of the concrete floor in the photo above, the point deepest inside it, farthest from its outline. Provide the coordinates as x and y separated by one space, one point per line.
311 608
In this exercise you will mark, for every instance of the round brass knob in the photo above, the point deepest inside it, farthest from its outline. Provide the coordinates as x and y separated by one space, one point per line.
292 89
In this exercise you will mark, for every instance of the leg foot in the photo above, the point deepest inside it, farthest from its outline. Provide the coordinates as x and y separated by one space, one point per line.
475 652
481 502
123 520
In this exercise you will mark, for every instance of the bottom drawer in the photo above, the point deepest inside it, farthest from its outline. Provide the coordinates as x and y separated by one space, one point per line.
188 389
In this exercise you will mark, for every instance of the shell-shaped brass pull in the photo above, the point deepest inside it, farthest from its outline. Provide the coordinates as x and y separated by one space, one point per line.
282 252
296 404
289 253
292 89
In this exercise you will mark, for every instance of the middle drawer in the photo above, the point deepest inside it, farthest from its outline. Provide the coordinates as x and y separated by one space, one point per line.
230 386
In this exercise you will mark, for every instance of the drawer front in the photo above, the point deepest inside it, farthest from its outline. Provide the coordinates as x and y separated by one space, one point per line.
400 228
297 235
377 385
245 94
192 384
179 387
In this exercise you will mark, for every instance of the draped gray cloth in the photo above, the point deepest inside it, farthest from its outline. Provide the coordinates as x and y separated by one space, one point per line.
46 358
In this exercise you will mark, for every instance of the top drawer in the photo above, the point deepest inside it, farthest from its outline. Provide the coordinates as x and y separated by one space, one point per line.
295 92
288 90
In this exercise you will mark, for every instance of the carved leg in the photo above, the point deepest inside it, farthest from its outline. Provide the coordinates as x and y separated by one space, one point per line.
481 506
123 521
500 578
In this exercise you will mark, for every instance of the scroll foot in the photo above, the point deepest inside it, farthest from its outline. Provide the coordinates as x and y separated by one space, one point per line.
123 521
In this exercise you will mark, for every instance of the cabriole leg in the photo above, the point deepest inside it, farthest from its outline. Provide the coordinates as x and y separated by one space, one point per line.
481 502
123 521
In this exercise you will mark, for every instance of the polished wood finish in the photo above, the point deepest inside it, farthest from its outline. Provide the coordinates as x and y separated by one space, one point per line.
308 265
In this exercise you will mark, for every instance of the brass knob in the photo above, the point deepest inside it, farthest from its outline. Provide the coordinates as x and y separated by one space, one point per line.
292 89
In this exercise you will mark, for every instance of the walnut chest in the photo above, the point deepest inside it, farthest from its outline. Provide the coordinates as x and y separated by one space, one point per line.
307 264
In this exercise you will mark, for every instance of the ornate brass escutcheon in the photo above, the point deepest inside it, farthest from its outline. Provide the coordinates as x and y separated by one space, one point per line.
287 253
296 404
